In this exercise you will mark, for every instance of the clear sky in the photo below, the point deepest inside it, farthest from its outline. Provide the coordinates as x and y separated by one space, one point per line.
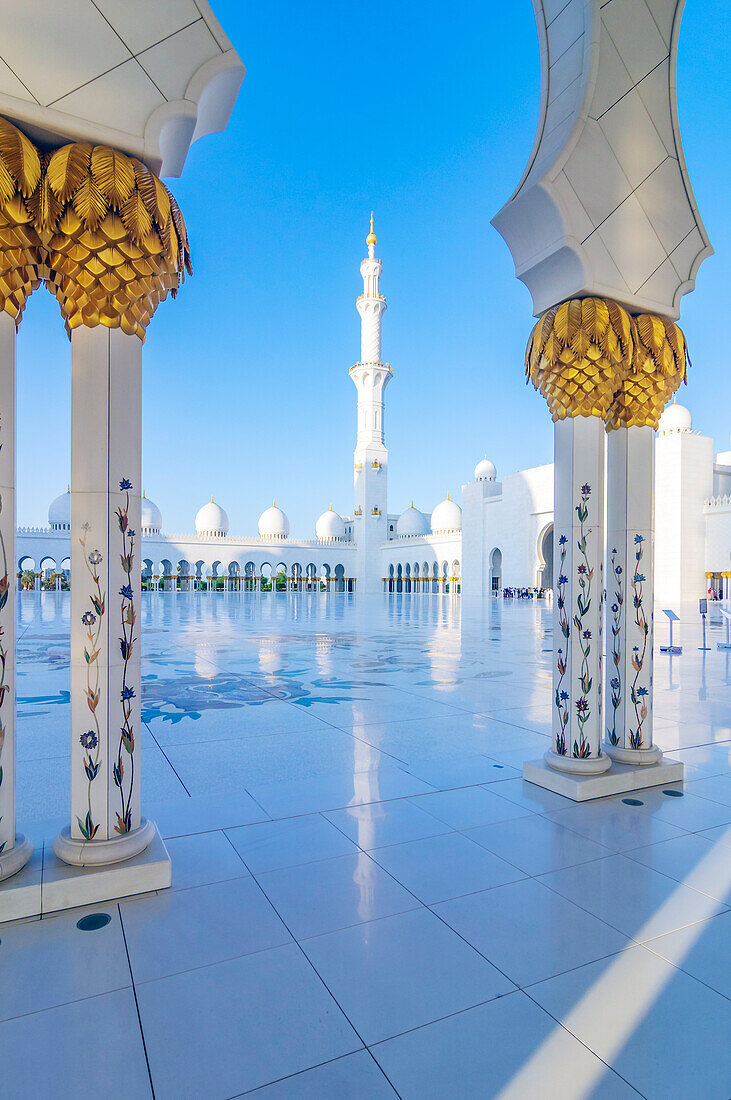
426 113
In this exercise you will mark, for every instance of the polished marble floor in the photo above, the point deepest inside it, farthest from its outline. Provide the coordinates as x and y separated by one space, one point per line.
368 901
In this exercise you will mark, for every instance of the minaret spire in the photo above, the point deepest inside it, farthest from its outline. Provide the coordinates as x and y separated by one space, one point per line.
371 376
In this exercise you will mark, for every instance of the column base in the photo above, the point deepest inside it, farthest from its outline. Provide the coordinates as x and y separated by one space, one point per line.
101 853
16 858
49 885
620 779
574 765
621 755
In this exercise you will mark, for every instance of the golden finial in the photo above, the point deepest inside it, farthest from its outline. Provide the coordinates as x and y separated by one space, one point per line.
371 238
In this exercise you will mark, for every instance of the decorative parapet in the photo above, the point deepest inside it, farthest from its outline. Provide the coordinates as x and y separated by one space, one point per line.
717 502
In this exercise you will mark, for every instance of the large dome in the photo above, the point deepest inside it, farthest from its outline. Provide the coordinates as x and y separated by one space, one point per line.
676 418
485 470
151 521
211 521
447 516
273 524
412 522
59 513
330 526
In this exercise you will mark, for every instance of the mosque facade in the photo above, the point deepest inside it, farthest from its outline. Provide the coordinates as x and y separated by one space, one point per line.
501 536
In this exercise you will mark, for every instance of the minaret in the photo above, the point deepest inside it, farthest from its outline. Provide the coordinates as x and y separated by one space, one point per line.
371 377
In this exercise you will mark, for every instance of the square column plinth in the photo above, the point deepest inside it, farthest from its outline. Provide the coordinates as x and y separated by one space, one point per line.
47 884
619 779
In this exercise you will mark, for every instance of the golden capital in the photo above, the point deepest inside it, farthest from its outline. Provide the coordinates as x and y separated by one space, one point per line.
578 354
97 226
659 365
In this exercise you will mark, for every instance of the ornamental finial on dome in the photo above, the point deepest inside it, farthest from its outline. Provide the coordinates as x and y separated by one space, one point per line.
371 238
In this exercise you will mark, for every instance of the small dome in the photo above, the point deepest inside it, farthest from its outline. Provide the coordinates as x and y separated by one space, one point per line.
211 521
330 525
676 418
151 521
273 524
485 470
59 512
412 522
447 516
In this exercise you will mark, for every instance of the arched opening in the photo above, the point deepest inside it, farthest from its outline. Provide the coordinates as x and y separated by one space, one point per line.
399 579
496 570
545 558
456 579
27 574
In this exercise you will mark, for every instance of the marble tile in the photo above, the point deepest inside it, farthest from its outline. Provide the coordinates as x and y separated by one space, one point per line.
536 845
614 824
401 972
509 1047
46 963
592 1003
381 823
185 816
203 858
222 1030
334 893
717 788
701 950
333 792
468 807
683 809
441 867
634 899
61 1071
354 1077
466 771
288 843
528 931
184 929
694 860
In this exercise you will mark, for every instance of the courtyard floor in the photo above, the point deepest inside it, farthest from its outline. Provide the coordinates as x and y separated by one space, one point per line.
367 900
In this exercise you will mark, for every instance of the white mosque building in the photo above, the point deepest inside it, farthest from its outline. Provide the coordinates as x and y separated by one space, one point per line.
501 536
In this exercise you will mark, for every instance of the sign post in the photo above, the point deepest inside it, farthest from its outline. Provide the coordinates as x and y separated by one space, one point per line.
671 649
703 608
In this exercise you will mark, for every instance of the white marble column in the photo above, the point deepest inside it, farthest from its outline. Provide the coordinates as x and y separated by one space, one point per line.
106 826
630 595
578 583
15 850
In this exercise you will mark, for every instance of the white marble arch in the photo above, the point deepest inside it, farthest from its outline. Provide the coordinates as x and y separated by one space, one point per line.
605 205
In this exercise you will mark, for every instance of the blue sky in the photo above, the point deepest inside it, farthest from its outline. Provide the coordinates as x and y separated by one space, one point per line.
425 113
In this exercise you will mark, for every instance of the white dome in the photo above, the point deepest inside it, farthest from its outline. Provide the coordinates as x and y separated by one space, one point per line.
59 512
676 418
447 516
485 470
151 521
273 524
211 521
330 526
412 522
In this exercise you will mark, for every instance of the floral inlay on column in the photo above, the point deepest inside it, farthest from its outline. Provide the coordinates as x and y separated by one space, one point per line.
638 692
616 681
91 739
562 696
585 575
126 645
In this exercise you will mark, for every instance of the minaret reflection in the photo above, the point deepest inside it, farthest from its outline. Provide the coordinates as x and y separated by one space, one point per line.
366 790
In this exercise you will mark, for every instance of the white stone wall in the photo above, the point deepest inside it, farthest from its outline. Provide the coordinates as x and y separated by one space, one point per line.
683 481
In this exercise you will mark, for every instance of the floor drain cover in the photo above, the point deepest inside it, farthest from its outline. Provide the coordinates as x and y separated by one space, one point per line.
633 802
92 921
674 794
